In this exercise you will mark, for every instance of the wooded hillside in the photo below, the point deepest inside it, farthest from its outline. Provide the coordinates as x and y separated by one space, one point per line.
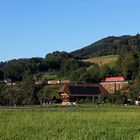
110 46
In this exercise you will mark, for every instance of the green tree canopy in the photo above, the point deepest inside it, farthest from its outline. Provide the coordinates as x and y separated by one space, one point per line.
29 88
105 71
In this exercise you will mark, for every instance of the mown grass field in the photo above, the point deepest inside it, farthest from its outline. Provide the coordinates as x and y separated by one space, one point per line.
72 123
103 59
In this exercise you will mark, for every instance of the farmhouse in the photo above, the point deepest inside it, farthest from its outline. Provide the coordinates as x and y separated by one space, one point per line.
112 84
72 93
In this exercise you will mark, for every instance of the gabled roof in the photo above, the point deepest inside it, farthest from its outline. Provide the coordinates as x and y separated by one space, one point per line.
83 89
114 79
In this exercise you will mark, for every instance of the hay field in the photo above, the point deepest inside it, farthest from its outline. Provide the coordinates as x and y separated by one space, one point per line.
102 60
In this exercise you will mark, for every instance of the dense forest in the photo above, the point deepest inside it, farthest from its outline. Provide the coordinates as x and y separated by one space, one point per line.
109 46
63 65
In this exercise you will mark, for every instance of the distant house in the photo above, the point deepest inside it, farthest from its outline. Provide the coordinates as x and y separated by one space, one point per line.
113 84
55 82
72 93
65 81
8 80
51 82
41 82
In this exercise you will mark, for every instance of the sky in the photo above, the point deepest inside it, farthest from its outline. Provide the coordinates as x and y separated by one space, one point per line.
33 28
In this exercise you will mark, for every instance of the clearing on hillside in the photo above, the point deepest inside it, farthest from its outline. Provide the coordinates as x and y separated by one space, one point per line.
102 60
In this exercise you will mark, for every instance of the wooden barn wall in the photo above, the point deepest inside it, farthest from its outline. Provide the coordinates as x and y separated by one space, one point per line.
112 86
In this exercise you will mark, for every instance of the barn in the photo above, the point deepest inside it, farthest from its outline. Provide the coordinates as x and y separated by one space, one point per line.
71 93
113 84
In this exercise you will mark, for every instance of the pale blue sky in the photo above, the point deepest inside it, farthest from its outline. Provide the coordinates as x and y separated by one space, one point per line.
33 28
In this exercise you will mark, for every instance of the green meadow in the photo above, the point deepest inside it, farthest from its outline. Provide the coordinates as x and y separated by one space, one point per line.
71 123
108 59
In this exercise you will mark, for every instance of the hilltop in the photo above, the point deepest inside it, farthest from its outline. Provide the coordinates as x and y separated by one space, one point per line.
110 46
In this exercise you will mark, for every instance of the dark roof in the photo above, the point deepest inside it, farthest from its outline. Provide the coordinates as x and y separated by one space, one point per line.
83 89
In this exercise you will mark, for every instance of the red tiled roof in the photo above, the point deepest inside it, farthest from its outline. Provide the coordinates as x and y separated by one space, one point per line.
113 79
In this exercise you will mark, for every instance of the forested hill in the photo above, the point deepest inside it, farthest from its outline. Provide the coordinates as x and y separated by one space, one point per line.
110 46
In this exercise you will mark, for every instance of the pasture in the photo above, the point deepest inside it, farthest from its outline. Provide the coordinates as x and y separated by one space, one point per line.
102 60
71 123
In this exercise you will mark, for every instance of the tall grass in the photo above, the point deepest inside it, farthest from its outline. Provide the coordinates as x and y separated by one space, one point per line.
86 123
